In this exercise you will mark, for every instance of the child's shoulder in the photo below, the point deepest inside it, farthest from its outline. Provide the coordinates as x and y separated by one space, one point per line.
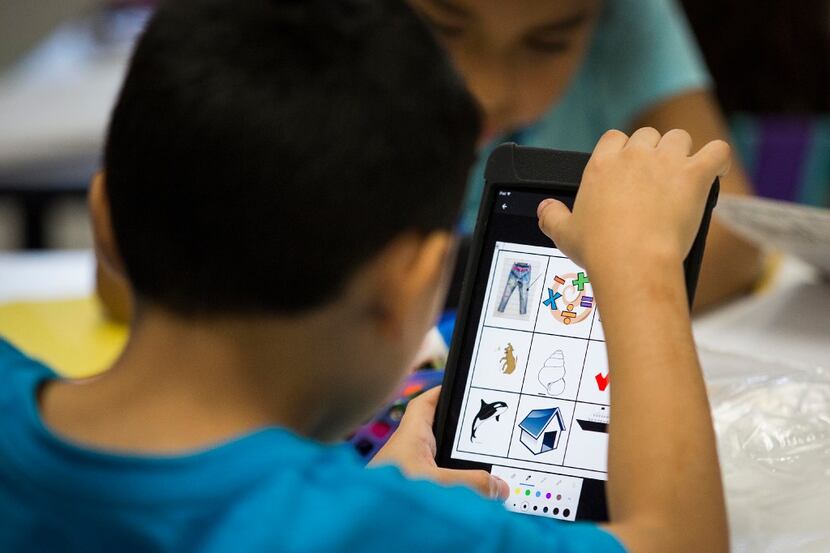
18 369
11 355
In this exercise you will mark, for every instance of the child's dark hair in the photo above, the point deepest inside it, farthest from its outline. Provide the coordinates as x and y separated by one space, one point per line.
261 151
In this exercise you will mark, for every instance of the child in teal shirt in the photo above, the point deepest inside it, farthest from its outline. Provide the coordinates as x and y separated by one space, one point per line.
559 73
282 285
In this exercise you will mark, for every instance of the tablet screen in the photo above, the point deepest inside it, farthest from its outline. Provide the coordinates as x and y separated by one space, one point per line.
533 370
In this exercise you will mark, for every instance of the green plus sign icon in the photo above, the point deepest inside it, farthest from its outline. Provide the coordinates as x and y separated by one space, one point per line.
580 282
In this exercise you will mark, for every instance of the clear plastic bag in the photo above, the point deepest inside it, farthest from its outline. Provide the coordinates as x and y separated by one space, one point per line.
773 426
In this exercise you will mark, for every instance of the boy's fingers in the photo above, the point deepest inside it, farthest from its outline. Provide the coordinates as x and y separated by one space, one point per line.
677 139
553 215
422 408
611 141
647 136
715 157
479 480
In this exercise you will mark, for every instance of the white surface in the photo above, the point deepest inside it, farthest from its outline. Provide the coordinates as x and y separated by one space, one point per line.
48 275
789 323
773 428
799 230
766 361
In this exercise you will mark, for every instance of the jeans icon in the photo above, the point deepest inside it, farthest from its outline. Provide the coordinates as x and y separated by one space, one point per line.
519 277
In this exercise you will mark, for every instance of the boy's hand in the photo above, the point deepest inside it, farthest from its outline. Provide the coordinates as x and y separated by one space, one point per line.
641 197
412 449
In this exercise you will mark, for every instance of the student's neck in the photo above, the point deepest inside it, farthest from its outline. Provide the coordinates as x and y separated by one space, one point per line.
182 385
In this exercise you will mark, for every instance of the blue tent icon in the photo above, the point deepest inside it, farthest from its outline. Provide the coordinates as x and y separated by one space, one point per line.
542 429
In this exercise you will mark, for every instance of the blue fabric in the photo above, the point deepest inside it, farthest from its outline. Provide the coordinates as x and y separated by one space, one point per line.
446 325
642 52
267 491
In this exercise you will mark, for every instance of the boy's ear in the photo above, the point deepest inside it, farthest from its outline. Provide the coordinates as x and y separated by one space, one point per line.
413 275
110 276
106 250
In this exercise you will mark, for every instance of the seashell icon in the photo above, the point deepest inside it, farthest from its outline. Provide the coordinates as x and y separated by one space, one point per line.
552 374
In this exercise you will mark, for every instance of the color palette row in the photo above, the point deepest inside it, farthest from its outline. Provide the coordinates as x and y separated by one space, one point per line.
527 492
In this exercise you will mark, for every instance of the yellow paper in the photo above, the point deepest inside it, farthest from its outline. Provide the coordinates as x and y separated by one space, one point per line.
71 336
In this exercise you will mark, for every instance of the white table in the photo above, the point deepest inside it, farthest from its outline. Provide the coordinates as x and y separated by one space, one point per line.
46 275
788 322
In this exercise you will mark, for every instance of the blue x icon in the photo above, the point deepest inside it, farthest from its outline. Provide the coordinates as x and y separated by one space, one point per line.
551 301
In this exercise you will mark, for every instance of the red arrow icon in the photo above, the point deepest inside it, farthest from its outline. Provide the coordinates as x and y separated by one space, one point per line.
603 381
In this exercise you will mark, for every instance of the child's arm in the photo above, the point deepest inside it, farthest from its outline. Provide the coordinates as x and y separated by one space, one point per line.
636 214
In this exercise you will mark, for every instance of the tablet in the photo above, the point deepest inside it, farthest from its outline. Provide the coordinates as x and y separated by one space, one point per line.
526 394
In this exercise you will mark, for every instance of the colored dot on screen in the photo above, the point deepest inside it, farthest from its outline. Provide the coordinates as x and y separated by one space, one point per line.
518 490
538 494
547 495
527 492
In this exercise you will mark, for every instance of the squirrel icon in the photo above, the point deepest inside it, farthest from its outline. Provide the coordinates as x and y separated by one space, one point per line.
508 362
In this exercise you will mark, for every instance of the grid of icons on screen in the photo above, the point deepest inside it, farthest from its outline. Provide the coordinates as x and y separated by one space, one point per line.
539 384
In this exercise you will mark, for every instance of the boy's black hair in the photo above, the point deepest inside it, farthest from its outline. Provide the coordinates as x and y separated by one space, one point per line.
262 150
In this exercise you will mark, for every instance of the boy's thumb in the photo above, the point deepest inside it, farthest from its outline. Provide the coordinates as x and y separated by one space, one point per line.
480 480
552 216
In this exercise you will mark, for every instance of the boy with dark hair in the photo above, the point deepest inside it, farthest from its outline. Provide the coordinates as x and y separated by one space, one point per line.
281 183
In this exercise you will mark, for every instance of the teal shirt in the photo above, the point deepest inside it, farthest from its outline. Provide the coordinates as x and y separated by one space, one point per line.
267 491
642 52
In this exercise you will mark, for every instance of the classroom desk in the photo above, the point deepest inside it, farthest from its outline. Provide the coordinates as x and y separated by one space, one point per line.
47 309
39 276
779 340
766 359
789 320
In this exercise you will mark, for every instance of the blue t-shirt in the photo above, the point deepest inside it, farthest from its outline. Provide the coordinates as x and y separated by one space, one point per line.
642 52
267 491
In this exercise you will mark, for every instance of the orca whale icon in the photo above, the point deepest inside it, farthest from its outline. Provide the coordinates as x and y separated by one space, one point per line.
487 412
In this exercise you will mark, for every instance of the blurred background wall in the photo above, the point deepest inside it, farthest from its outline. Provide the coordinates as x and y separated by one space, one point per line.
770 61
61 62
23 23
766 56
